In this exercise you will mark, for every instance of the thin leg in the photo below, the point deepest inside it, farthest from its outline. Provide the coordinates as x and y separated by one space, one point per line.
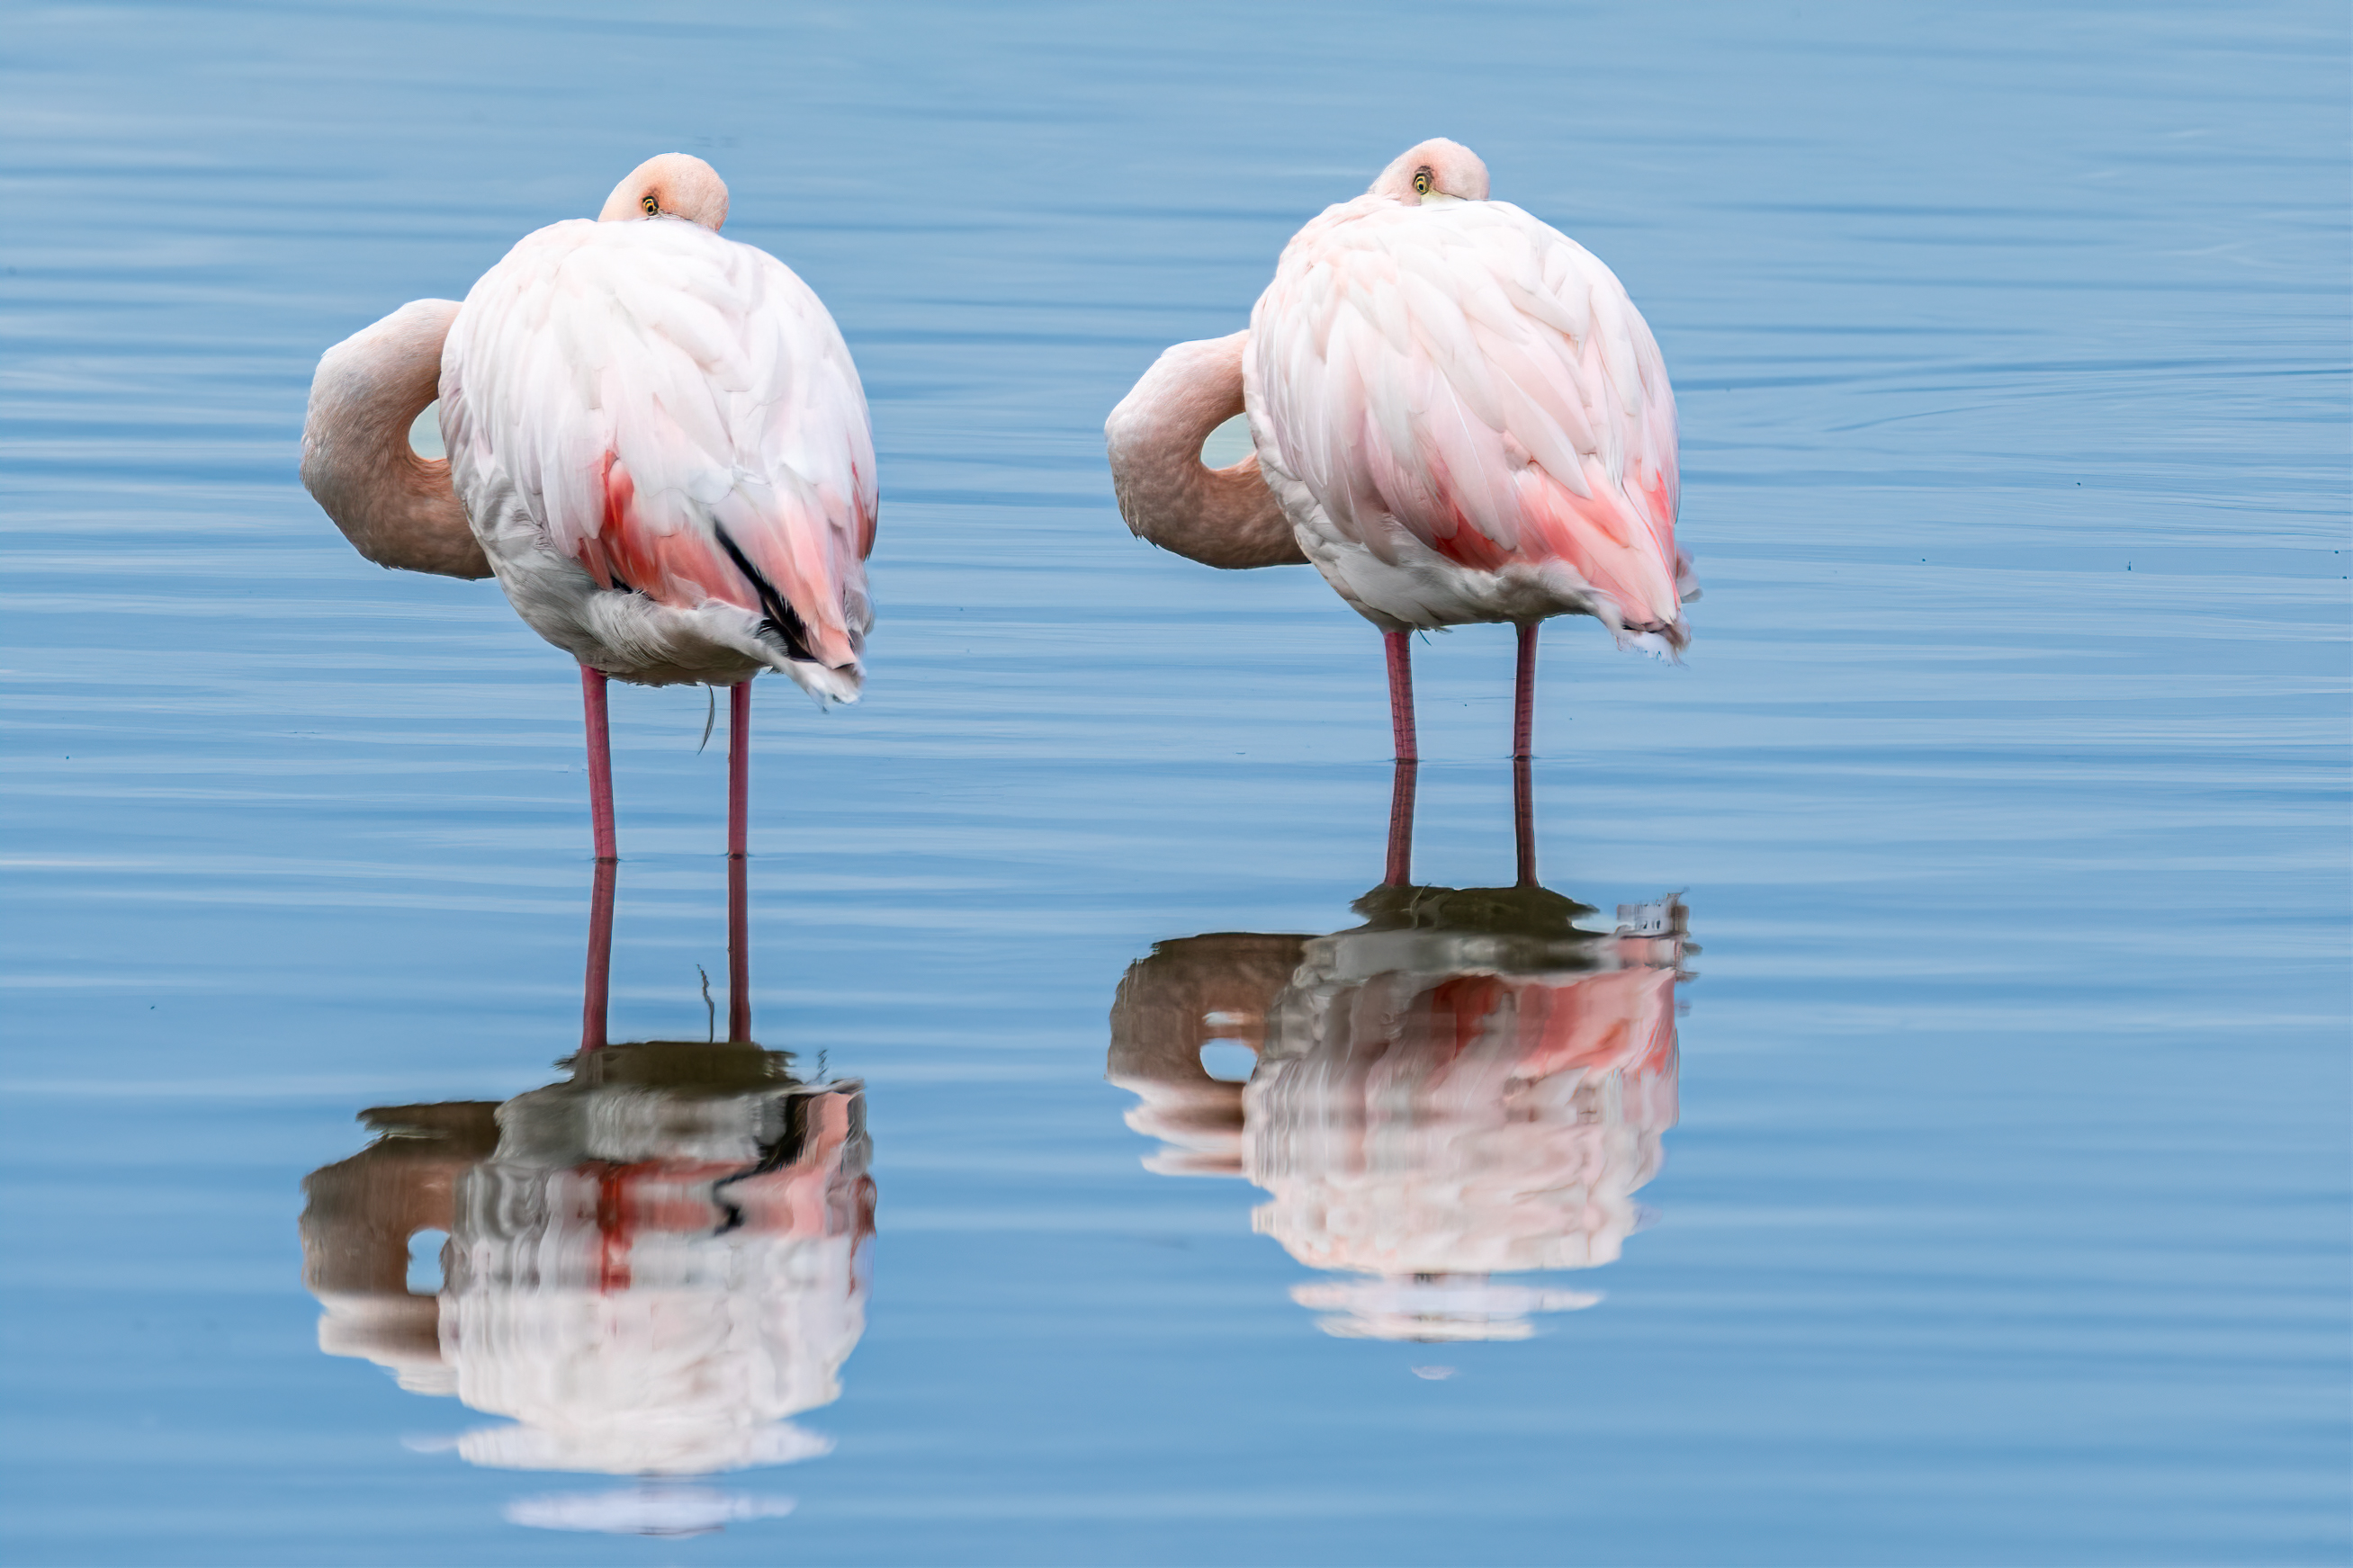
600 958
1524 694
739 921
1401 655
739 767
1399 871
600 761
1523 821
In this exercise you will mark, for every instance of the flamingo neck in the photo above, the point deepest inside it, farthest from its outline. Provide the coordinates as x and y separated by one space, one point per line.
397 508
1219 517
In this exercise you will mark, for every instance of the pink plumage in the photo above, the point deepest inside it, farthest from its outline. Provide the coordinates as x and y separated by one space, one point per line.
625 402
1458 381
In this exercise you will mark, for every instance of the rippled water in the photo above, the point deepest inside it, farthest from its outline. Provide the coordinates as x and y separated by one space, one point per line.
1980 1195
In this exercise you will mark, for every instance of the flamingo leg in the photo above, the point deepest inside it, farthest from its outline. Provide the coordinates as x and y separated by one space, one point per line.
1523 821
1523 693
600 761
738 922
1398 873
1400 657
598 988
1524 724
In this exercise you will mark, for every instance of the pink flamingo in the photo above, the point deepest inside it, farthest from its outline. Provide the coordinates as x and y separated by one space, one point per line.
1470 1084
1458 416
651 1265
658 442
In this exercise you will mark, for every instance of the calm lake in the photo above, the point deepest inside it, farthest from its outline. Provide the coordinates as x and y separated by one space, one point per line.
1943 1152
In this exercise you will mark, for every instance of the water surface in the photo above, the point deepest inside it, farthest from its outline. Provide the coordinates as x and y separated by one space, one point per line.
2000 1215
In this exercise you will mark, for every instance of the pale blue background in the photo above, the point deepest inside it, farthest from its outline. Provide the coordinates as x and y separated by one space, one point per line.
2007 1219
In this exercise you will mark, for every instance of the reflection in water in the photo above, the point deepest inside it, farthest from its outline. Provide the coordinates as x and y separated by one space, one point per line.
651 1266
1473 1082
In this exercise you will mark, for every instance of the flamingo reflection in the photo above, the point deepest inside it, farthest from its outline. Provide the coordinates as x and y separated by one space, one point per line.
1471 1084
651 1264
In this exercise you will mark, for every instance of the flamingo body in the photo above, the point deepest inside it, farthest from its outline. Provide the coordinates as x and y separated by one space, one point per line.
1466 419
662 445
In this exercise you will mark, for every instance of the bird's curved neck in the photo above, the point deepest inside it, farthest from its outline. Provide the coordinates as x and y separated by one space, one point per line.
397 508
1219 517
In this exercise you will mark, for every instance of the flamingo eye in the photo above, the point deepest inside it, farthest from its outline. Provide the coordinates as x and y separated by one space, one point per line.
652 207
1421 182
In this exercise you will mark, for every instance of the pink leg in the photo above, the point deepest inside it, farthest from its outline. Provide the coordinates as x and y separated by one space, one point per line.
739 921
600 761
600 958
1399 871
1523 693
1523 821
1524 724
739 767
1401 655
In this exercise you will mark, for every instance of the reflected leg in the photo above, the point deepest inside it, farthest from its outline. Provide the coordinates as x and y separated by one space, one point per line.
600 761
738 922
1399 871
594 993
1400 657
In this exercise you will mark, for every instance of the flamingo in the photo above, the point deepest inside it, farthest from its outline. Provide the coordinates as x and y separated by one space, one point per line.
1472 1083
651 1264
1458 416
656 442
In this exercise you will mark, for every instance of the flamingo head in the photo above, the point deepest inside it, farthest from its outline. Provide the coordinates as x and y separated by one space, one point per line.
1435 169
673 184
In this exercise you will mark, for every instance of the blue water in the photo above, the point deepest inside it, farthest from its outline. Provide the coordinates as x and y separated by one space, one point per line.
2003 1213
